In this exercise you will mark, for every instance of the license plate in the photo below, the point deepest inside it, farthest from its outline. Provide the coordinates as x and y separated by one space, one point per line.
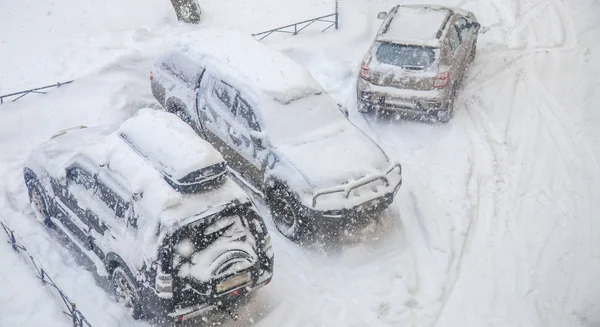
368 205
233 282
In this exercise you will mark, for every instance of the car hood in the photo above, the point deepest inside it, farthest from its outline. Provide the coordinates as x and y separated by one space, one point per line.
334 155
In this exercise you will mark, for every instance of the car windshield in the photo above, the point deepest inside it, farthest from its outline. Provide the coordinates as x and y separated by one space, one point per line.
302 116
405 56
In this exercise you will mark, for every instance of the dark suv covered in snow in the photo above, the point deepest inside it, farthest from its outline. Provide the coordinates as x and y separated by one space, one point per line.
283 136
150 203
417 61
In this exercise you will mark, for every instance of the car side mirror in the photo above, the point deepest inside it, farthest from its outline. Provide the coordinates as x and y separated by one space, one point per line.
258 139
474 25
382 15
343 109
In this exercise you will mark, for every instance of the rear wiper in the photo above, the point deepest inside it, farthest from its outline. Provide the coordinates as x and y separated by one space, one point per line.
413 67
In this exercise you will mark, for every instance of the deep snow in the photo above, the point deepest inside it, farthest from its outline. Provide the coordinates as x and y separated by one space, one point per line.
494 225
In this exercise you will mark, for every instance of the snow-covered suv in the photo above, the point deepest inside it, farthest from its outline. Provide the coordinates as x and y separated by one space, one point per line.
417 61
280 132
150 203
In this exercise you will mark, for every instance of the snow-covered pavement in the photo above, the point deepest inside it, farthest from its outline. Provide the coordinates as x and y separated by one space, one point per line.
494 225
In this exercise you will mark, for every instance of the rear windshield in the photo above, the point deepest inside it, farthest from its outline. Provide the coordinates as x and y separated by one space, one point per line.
405 56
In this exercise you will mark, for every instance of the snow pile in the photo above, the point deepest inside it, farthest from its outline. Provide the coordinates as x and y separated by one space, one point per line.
269 70
497 208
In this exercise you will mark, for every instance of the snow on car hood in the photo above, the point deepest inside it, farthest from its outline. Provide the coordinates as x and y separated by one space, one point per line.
334 155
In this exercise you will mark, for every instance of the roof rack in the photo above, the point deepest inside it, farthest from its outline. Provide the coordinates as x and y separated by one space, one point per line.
65 131
441 30
392 12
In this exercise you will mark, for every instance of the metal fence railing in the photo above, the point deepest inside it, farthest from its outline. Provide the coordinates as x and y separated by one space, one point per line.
295 28
72 312
21 94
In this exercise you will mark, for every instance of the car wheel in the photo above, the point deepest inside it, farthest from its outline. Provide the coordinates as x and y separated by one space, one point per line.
126 292
445 116
38 202
364 108
287 216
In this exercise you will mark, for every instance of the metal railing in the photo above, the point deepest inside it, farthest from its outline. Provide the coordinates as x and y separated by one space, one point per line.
295 28
72 312
21 94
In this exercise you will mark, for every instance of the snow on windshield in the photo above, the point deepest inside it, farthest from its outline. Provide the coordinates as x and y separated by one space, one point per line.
301 117
405 56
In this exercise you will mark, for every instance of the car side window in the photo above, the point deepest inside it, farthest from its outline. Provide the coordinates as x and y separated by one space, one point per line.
81 177
461 26
454 39
246 115
111 199
224 93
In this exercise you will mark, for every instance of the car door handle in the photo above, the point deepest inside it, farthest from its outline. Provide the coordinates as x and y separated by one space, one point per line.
234 135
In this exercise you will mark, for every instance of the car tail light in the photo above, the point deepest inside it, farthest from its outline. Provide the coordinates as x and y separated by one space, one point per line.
164 285
151 75
365 71
441 80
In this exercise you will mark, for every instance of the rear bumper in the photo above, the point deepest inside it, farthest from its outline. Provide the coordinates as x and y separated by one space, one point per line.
200 304
388 98
222 303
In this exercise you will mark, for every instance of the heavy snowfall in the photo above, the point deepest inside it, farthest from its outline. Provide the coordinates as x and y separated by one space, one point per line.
495 223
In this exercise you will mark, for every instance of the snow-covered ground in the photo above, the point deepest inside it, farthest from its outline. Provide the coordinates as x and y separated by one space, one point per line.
495 224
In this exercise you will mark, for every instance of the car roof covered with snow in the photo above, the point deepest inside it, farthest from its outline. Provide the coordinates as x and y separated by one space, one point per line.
106 150
267 69
162 139
415 24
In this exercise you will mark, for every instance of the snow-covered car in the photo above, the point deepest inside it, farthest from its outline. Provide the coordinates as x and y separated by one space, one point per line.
417 61
150 202
283 136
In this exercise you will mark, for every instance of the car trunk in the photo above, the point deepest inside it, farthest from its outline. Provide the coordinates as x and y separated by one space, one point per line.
404 66
212 257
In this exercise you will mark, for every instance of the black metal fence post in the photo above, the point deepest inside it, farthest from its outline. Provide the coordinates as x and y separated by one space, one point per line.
35 90
336 14
77 317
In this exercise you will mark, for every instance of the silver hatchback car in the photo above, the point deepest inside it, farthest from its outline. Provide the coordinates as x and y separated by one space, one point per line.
417 61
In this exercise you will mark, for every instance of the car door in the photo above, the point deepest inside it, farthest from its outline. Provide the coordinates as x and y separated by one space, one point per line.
247 159
455 53
78 196
113 206
216 108
465 35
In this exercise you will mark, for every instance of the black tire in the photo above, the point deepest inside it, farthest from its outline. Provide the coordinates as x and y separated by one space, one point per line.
288 217
126 292
446 115
364 108
39 202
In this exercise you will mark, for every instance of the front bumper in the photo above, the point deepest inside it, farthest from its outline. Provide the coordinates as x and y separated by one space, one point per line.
356 216
359 213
